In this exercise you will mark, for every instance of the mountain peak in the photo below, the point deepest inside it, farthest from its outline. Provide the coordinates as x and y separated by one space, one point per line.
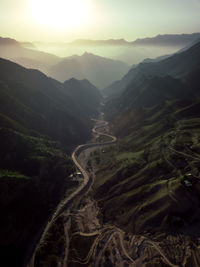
72 81
87 54
8 41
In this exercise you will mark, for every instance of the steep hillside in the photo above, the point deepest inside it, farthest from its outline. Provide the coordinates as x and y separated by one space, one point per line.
41 121
84 93
148 60
99 70
33 172
143 176
177 65
149 184
39 104
26 56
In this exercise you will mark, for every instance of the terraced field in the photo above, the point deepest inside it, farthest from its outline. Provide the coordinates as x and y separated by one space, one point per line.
148 185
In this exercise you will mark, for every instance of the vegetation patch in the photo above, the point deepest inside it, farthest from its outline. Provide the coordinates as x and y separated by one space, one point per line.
12 174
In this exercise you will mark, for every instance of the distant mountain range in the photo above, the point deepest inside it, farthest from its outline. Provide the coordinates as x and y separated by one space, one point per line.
110 42
175 65
179 40
99 70
130 52
8 41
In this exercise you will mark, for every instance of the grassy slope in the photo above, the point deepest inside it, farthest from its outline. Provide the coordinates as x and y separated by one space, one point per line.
149 182
140 182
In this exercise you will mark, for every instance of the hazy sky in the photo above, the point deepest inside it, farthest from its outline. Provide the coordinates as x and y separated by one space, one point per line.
66 20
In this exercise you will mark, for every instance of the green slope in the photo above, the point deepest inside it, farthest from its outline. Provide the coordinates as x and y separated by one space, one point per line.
40 104
40 124
140 182
149 182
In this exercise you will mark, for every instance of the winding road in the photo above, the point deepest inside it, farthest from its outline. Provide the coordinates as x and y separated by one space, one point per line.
81 190
106 233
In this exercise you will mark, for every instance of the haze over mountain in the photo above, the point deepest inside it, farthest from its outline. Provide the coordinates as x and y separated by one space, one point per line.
88 42
179 40
31 58
99 133
174 65
131 52
100 71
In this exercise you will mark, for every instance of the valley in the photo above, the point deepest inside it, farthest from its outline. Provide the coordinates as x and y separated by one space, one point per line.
95 237
40 126
64 208
100 158
158 205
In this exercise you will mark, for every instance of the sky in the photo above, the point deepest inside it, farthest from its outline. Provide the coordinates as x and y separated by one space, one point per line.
67 20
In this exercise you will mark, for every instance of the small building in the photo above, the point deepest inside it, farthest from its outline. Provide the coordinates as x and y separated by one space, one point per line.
187 183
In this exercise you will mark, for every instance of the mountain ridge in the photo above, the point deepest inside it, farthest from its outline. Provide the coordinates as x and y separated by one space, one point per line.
168 40
98 70
148 184
160 39
41 121
173 65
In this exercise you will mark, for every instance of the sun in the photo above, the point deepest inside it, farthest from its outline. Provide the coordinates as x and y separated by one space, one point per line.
61 14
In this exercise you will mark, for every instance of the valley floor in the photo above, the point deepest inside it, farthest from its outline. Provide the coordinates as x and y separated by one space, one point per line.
89 239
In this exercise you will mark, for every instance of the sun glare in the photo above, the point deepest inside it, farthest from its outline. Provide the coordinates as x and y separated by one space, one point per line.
61 14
